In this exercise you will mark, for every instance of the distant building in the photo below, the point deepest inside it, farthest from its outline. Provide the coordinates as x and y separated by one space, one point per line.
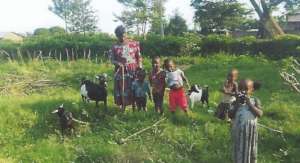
12 36
293 23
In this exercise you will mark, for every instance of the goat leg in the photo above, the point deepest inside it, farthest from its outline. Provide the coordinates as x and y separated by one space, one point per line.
207 103
83 98
62 132
105 104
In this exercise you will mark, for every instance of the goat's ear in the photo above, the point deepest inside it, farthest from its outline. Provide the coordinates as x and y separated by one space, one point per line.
97 77
61 106
55 111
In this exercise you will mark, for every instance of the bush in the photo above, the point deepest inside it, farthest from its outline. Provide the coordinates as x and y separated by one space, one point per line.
277 48
72 44
77 45
167 46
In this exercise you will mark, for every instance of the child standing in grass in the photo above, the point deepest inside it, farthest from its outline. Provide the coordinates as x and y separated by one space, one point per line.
140 89
244 128
175 81
229 90
157 80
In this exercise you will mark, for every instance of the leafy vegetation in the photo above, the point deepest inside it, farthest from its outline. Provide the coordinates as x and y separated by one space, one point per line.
80 46
30 133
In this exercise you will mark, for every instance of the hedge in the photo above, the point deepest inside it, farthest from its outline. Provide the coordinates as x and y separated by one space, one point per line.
189 44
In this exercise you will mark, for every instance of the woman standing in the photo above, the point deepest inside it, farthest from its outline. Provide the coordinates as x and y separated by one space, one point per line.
127 60
244 129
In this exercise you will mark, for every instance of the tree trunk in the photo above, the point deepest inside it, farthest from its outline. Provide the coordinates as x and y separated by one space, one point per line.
271 26
266 19
162 31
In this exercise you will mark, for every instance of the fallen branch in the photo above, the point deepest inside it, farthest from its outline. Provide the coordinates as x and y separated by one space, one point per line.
269 128
296 69
296 62
25 85
292 80
124 140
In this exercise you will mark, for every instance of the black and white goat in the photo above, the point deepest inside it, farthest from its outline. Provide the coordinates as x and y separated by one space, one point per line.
198 94
95 92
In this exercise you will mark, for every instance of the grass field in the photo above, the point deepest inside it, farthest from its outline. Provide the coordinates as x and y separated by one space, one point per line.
30 133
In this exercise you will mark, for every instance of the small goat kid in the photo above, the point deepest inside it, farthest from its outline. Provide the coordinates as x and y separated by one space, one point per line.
95 92
66 119
198 94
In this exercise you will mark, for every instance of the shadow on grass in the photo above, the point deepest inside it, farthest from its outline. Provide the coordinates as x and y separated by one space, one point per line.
48 124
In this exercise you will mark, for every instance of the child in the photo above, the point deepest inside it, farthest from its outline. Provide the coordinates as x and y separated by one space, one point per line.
244 128
157 79
229 90
175 79
140 89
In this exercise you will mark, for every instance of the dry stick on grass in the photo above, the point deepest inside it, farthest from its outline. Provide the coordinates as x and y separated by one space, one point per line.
269 128
296 62
25 85
296 69
124 140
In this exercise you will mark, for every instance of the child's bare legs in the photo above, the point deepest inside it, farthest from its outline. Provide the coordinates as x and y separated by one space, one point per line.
141 103
158 102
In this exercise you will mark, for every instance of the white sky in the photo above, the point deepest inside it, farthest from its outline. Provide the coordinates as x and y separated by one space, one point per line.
27 15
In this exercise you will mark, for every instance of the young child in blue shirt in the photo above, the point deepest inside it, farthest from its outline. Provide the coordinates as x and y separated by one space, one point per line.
140 89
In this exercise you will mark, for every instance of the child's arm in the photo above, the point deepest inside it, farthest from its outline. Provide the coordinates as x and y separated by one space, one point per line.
149 92
133 90
225 91
236 91
256 108
150 79
185 79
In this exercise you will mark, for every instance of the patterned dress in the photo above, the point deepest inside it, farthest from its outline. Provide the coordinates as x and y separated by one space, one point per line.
128 54
244 134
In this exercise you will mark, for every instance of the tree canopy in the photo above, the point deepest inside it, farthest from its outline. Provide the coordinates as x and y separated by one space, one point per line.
177 25
219 15
78 15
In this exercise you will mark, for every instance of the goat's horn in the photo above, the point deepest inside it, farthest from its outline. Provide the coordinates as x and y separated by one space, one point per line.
55 111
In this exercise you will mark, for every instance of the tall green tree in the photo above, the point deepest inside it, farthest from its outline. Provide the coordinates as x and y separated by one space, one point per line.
136 15
57 30
177 25
264 9
142 16
41 31
158 17
62 8
78 15
83 17
219 15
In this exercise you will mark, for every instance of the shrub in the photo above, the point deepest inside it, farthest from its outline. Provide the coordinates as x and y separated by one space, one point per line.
77 45
167 46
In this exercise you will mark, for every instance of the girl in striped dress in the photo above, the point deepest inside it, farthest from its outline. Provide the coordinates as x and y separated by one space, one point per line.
244 128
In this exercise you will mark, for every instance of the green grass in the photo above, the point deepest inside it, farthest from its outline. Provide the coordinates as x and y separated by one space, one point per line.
30 133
